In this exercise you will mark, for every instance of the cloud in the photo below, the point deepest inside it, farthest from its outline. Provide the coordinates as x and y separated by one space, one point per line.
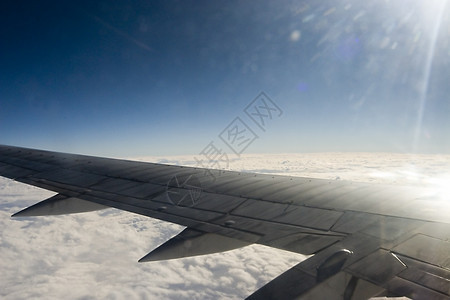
94 255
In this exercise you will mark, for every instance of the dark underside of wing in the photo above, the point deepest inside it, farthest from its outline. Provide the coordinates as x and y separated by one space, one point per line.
367 240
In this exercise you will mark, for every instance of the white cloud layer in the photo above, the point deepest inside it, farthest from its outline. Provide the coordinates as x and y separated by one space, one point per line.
94 255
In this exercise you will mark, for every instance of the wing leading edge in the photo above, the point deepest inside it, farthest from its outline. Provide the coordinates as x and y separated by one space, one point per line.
367 240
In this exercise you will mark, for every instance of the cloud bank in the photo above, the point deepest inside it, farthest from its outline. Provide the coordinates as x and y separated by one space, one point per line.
94 255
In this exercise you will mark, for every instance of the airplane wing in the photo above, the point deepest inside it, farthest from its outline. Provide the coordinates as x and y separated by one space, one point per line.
366 240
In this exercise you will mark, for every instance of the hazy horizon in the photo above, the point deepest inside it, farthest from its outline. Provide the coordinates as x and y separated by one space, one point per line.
94 255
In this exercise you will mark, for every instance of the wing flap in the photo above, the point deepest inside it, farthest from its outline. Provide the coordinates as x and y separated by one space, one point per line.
14 172
426 275
288 213
378 267
296 283
30 165
428 249
377 274
400 286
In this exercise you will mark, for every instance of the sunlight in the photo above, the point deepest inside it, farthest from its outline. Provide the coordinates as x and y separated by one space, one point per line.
432 12
441 185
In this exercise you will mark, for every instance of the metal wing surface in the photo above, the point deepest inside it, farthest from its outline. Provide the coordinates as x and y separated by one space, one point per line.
366 240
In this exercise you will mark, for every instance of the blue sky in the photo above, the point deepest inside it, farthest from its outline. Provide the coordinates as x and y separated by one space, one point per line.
166 77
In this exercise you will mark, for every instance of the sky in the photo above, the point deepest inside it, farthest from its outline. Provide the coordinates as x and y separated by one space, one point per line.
94 255
159 78
128 78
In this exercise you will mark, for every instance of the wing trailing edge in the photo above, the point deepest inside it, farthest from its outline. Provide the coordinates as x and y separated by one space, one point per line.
360 274
59 205
191 242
